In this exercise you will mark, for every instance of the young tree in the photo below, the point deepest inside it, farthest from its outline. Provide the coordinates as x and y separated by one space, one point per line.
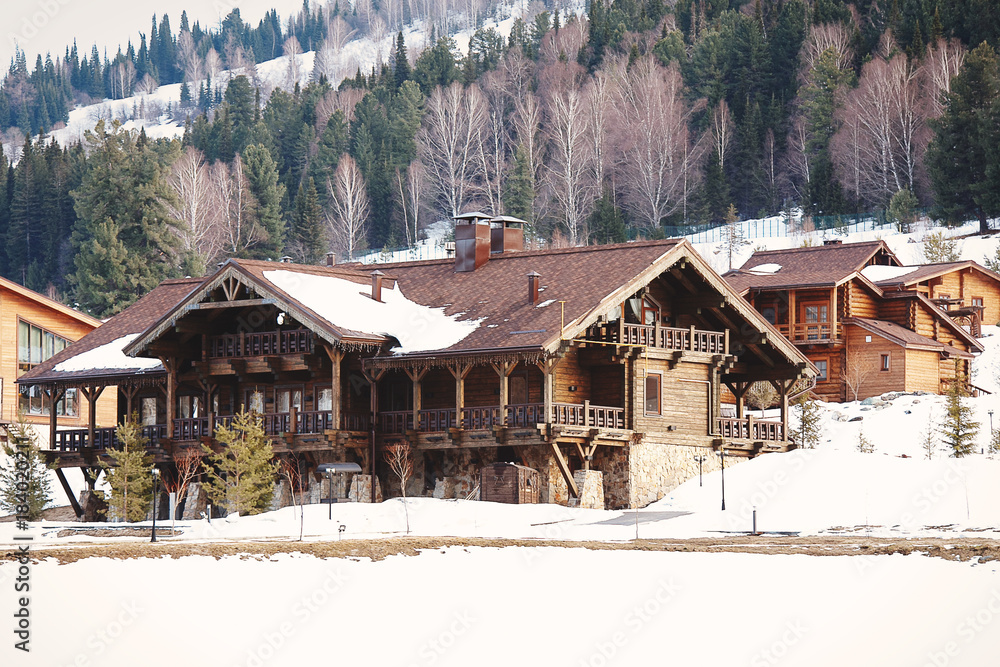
349 207
995 442
857 369
810 415
188 464
290 471
959 430
129 474
761 395
940 248
25 489
902 210
865 446
733 237
241 476
307 224
929 439
400 463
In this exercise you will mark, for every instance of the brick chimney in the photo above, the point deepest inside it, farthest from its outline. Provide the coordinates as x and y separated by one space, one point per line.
331 259
472 241
533 279
833 241
506 234
377 285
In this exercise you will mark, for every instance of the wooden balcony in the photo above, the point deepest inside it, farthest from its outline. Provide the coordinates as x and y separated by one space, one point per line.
656 336
275 424
104 438
811 332
756 430
517 415
260 344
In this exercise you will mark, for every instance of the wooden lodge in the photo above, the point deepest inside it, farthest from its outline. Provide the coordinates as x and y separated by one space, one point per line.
607 359
868 323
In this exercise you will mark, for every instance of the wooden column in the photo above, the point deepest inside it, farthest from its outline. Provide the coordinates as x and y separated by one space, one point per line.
74 503
416 375
548 367
504 370
373 376
54 396
91 394
336 356
170 363
791 315
783 387
460 370
833 313
130 392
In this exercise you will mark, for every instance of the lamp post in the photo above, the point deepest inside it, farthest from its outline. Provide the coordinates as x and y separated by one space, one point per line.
722 460
990 413
156 489
700 458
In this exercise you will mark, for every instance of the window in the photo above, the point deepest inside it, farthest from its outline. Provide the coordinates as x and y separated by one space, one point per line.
769 314
977 301
324 400
821 365
286 398
189 407
35 400
653 394
149 411
816 313
35 345
255 400
885 362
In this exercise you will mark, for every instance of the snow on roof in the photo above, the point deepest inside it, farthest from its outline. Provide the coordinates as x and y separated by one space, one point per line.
108 356
765 269
349 305
877 273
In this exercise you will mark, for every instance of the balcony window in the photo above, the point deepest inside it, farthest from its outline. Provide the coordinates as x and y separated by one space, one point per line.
189 407
149 411
35 345
324 400
286 398
35 400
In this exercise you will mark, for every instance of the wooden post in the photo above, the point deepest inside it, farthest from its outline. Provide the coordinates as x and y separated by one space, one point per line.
91 394
791 315
548 370
691 341
171 366
726 342
504 370
783 395
293 416
416 375
336 356
586 416
833 313
460 370
54 396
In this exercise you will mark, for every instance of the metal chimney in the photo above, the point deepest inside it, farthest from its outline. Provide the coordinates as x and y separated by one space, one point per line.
331 259
377 285
533 279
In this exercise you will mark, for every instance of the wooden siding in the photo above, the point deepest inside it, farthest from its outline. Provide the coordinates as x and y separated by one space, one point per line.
15 307
923 371
684 398
831 389
878 381
895 310
859 302
965 284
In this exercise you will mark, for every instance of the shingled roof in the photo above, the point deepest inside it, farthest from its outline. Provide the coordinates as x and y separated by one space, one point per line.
918 274
906 338
133 320
812 266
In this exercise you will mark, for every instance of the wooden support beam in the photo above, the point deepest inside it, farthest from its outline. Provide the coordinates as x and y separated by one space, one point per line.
91 393
55 395
241 303
504 370
170 364
336 356
74 503
459 371
416 375
564 469
548 371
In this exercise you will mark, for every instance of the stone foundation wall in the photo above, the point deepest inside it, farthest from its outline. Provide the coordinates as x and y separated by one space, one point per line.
655 469
361 489
590 484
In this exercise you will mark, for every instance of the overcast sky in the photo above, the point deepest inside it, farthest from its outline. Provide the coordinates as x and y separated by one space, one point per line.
41 26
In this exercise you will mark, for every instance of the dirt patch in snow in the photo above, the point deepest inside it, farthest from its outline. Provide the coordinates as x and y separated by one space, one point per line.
951 549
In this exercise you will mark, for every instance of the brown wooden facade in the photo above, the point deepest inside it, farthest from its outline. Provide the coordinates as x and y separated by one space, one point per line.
608 366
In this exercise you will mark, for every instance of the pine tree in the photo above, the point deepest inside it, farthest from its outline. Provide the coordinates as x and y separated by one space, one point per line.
519 190
400 61
809 423
606 222
125 239
129 473
262 173
241 477
25 488
959 430
307 224
940 248
995 442
929 440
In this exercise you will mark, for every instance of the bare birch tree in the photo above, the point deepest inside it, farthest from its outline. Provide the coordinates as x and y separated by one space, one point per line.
449 142
191 179
857 369
722 131
190 61
235 203
568 172
494 149
348 214
292 50
943 61
600 94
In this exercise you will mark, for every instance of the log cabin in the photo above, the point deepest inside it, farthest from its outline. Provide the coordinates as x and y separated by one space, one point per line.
598 366
33 328
865 337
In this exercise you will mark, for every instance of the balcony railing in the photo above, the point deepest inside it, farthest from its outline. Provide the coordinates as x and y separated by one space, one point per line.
810 331
752 429
104 438
260 343
518 415
667 338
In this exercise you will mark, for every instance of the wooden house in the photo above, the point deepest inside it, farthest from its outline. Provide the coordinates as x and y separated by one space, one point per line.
33 328
605 359
865 337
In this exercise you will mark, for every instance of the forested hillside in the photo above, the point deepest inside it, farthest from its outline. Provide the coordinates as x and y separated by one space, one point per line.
634 115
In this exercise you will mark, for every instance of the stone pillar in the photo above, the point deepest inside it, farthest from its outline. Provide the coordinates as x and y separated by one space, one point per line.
591 485
361 489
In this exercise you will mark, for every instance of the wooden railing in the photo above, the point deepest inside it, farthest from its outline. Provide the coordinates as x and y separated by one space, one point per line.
104 438
481 418
437 420
809 331
600 416
752 429
192 429
277 422
654 335
261 343
525 414
355 421
397 421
